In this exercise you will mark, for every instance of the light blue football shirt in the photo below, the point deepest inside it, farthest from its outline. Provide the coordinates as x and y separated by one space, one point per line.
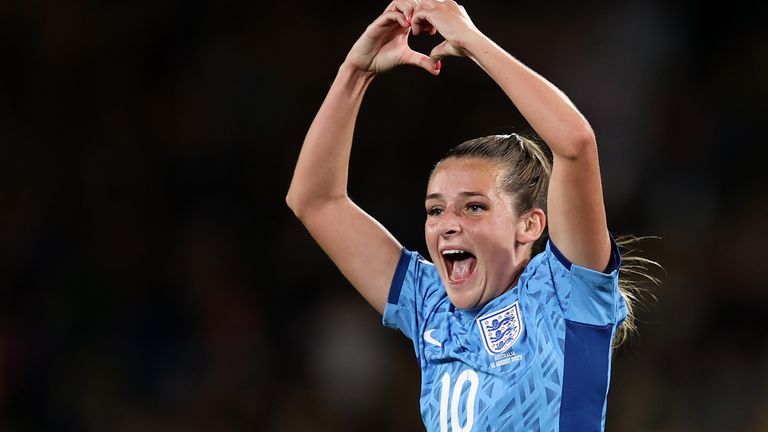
537 358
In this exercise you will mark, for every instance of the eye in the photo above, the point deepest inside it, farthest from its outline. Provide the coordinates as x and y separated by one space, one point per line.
435 211
476 208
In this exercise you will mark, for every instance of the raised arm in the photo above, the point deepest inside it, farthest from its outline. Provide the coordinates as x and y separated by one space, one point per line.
576 213
364 251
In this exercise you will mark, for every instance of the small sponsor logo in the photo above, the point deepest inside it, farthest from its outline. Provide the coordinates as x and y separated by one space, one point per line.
429 339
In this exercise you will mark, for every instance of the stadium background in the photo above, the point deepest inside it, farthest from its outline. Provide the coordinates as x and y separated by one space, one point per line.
152 279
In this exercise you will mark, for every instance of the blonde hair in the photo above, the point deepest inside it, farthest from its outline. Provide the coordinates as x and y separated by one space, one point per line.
635 282
527 164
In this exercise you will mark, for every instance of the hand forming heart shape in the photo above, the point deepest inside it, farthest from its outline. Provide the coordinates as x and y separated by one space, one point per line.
384 44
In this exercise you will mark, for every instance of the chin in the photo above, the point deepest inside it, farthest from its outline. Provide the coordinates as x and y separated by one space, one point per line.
463 300
467 295
467 306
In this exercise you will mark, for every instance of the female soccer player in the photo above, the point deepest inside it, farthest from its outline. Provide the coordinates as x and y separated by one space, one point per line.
506 339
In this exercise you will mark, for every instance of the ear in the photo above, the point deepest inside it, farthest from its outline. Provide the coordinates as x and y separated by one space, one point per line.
531 226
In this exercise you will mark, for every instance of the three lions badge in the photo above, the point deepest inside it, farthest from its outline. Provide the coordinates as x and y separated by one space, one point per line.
499 331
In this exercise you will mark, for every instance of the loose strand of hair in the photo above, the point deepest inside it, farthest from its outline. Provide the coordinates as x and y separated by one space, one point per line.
636 283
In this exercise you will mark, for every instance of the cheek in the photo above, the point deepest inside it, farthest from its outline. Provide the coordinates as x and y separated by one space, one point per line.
430 233
496 236
430 236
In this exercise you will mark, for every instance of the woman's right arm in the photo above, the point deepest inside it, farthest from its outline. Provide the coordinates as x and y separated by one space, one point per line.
364 251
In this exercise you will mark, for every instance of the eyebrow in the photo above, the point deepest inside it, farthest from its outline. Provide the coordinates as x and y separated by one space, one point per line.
467 194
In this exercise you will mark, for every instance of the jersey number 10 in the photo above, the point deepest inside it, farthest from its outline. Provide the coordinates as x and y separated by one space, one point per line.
445 396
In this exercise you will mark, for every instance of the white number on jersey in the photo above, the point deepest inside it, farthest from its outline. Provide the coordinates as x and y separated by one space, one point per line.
445 395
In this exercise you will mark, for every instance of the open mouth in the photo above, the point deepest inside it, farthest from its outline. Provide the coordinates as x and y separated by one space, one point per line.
459 264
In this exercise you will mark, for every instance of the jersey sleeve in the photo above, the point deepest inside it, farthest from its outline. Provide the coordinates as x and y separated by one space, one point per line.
588 296
415 290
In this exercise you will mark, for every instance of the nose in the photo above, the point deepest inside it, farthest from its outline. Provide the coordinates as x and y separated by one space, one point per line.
449 225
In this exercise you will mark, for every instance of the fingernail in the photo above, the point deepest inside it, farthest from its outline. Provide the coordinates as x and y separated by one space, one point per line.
439 64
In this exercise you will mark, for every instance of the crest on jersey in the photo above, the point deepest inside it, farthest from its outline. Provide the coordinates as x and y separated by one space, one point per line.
501 329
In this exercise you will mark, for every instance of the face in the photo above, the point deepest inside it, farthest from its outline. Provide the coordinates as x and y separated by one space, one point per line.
471 231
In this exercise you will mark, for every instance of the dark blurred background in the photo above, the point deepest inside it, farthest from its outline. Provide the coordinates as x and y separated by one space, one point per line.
152 278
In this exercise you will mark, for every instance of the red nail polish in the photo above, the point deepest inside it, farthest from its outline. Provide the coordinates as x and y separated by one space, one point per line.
439 64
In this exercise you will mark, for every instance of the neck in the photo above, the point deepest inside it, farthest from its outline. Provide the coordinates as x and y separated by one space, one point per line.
518 270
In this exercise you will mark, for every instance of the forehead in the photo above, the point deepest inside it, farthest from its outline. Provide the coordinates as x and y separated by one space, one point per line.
456 175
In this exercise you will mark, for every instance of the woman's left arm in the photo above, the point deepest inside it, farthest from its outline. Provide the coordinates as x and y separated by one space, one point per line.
576 212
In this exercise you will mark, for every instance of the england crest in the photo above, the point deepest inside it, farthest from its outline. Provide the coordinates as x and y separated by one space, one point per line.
501 329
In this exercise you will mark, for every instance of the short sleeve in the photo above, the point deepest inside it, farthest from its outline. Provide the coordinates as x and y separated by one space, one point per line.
415 290
590 297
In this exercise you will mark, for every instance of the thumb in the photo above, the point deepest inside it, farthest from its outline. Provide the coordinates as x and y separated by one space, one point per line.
429 64
444 49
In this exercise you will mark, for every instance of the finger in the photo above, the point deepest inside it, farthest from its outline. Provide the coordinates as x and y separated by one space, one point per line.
427 5
427 63
424 24
406 7
425 27
442 50
391 16
420 22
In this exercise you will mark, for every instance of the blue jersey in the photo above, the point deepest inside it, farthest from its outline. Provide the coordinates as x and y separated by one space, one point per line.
537 358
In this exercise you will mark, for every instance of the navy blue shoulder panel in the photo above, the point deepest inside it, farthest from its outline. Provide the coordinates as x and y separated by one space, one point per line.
559 255
399 277
585 376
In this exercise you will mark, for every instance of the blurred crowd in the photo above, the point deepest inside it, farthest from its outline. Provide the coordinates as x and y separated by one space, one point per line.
152 278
